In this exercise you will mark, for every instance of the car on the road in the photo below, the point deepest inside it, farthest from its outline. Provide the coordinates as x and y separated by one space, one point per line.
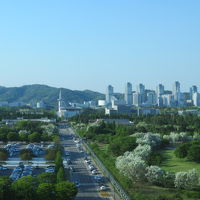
77 184
87 161
91 167
98 179
72 169
69 162
94 172
103 188
67 153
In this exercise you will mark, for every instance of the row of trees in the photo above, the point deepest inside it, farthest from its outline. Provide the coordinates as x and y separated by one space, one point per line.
28 131
36 188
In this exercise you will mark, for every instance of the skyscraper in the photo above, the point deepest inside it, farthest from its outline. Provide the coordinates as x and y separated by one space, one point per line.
193 90
177 93
109 94
160 90
128 94
141 93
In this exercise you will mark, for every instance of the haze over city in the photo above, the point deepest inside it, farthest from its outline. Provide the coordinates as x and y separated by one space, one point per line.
90 44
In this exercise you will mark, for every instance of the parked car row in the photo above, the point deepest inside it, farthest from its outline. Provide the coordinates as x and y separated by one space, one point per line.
94 171
50 169
36 149
12 149
16 174
28 170
2 168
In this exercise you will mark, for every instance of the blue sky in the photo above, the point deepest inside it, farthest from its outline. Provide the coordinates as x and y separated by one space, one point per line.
87 44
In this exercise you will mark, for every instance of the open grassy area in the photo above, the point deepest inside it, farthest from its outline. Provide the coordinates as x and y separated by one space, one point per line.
141 191
174 164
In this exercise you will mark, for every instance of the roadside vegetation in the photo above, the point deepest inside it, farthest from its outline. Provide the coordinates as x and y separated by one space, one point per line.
157 158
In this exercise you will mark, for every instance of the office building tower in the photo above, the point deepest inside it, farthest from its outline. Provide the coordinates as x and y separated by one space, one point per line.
137 99
128 94
151 98
196 99
193 90
141 92
160 90
109 94
177 93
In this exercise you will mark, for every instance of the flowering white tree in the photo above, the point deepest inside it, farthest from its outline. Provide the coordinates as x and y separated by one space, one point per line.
50 129
132 167
142 151
186 180
179 137
155 175
151 139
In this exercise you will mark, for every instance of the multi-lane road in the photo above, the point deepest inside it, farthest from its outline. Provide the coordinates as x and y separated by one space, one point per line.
88 188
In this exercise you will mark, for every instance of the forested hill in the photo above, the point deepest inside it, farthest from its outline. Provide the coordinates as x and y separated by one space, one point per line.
35 93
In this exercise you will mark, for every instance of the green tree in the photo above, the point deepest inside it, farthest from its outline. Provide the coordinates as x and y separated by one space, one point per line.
46 178
61 175
182 150
58 161
46 191
194 153
26 154
6 192
65 191
25 188
13 136
34 137
50 154
3 154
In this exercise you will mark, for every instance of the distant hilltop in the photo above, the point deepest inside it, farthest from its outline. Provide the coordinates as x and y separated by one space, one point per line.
31 94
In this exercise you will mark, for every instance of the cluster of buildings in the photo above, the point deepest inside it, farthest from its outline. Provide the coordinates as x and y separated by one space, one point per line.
142 100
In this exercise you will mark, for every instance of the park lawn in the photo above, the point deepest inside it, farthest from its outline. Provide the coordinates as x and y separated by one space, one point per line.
173 164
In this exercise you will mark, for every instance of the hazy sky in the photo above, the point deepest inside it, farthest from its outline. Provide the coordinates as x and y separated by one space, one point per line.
87 44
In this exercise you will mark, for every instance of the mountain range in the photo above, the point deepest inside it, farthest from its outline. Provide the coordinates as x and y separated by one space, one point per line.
34 93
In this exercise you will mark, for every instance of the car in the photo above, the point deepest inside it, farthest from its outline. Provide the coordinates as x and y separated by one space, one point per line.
98 179
67 153
72 169
94 172
37 167
77 184
103 188
87 161
69 162
91 167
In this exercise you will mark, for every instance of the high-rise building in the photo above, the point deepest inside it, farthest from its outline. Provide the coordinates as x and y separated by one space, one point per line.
141 92
128 94
196 99
177 93
160 90
151 98
137 99
193 90
109 94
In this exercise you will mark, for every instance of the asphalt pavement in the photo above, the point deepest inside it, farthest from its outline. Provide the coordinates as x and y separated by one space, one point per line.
88 188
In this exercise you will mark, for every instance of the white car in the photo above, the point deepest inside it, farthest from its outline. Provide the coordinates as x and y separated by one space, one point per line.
91 167
103 188
94 172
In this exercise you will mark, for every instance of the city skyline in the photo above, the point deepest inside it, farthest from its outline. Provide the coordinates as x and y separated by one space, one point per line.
87 45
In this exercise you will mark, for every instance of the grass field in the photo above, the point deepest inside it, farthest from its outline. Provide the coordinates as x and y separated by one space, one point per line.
174 164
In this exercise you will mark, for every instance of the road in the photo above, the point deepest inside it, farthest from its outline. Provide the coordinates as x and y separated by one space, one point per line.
88 189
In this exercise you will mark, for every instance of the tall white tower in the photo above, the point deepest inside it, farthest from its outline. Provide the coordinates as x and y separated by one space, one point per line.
61 103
